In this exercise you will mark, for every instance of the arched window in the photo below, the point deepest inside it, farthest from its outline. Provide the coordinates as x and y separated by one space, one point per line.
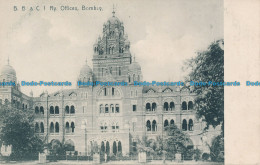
112 108
114 148
102 147
67 127
166 106
106 109
41 110
148 107
190 105
119 146
51 127
37 128
133 77
148 125
105 91
154 106
117 108
37 110
113 91
138 79
166 124
57 110
67 109
72 109
190 125
184 105
51 110
72 127
101 108
26 106
129 78
42 127
184 125
57 127
172 122
107 148
154 126
172 106
23 104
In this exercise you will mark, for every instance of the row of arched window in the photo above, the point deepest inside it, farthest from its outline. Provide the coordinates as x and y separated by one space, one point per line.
133 78
69 128
55 110
54 128
151 126
169 106
167 123
117 147
187 126
70 110
39 110
185 107
104 127
39 128
151 108
109 108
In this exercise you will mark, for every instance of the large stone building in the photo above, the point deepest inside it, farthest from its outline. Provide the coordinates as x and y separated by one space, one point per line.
111 117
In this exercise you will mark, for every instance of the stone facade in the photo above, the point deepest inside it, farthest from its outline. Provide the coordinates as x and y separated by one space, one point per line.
111 117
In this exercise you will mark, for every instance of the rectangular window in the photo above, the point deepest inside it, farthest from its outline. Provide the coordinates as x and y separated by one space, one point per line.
113 91
134 108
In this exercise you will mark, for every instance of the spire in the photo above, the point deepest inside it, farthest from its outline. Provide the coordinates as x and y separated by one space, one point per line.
86 60
113 10
134 57
8 61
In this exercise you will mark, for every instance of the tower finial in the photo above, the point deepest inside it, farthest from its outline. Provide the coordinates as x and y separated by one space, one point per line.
134 57
113 10
8 60
86 60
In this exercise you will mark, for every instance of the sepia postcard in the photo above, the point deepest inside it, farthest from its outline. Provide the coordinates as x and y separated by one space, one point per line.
129 82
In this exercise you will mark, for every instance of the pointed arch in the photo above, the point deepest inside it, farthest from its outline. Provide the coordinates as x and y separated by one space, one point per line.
154 126
190 105
190 127
148 125
57 111
172 106
51 110
166 124
51 127
184 105
184 125
37 128
41 110
57 127
37 110
42 127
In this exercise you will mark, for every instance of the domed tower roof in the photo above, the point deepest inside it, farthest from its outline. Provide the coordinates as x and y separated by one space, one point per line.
113 19
8 70
85 69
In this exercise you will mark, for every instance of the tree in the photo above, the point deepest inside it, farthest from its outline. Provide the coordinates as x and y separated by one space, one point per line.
176 141
208 66
17 131
217 149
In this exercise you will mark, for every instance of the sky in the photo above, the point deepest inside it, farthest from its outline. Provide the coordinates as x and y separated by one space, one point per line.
53 46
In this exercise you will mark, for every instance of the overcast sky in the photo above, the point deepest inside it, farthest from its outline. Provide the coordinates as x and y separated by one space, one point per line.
53 46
